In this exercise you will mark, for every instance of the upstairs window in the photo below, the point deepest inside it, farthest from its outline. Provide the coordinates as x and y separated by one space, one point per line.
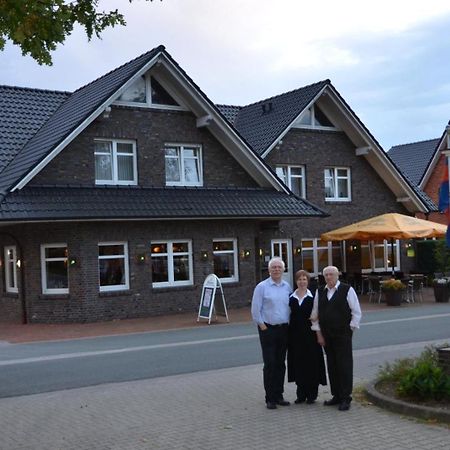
147 91
11 269
294 178
337 184
115 162
183 165
314 117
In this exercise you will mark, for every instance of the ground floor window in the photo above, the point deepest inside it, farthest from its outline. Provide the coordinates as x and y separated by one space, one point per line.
171 263
54 269
376 256
225 259
318 254
113 266
11 269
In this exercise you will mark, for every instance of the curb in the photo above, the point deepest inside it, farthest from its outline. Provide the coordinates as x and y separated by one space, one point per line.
401 407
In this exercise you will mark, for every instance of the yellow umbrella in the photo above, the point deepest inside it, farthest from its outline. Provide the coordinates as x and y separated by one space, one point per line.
387 226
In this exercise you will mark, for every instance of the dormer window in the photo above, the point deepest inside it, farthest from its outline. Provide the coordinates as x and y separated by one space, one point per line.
183 165
314 117
147 91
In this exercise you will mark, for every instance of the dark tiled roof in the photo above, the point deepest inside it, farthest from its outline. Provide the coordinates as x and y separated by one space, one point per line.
413 159
229 111
22 112
68 117
65 203
261 128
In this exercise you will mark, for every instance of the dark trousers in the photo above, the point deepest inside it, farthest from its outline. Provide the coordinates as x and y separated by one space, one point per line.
338 350
307 391
274 345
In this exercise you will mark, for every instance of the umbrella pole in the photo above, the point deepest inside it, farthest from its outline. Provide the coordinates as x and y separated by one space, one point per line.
392 258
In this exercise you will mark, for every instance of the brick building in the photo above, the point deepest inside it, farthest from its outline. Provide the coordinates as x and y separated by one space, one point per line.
118 199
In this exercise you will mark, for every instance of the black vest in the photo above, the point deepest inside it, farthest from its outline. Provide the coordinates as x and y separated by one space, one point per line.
335 314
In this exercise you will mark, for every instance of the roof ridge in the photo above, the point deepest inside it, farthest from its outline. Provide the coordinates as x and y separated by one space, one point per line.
229 106
415 142
24 88
159 48
326 81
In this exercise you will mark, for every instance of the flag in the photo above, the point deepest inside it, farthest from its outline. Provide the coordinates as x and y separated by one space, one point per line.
444 206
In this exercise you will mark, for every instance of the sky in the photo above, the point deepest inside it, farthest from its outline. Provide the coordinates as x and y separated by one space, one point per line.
388 59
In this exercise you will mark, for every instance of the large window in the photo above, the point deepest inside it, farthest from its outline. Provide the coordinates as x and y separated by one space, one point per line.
113 266
337 184
318 254
11 269
171 263
314 117
377 256
225 259
115 162
54 269
294 178
183 165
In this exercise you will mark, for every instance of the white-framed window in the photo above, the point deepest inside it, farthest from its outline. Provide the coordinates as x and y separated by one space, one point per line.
293 177
337 184
225 256
115 162
54 269
11 269
147 91
376 256
171 263
113 267
317 254
183 165
314 117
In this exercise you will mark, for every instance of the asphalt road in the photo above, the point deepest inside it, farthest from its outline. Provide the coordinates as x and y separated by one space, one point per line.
53 366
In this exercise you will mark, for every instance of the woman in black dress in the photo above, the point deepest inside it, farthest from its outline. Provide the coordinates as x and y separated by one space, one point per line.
305 357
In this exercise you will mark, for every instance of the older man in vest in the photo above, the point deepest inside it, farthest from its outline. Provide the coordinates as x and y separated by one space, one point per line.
336 314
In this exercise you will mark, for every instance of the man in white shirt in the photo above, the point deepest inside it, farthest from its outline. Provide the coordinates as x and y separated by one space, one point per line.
336 313
270 312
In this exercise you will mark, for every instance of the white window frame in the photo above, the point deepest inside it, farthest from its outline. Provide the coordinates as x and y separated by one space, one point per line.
170 267
312 123
148 97
124 256
45 289
10 252
329 248
114 162
287 179
181 148
387 251
335 178
234 252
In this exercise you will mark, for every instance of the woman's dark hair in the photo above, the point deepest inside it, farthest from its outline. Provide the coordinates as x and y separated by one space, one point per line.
302 273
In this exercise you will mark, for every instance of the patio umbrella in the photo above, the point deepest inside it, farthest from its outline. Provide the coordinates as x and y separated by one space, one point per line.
387 226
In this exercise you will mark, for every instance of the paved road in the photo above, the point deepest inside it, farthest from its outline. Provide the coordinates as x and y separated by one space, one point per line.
45 367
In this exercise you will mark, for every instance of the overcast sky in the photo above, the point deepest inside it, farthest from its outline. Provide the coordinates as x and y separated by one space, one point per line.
389 59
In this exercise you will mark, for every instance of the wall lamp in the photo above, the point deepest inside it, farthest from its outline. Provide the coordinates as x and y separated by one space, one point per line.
245 254
141 258
204 255
298 250
73 262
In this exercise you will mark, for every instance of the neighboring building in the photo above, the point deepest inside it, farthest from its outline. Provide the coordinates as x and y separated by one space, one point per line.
118 199
325 154
423 163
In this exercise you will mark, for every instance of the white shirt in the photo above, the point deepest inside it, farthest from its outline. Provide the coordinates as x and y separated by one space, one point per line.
300 300
353 303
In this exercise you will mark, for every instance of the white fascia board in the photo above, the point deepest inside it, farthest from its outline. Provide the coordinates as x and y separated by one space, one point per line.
246 155
378 152
86 122
442 145
285 131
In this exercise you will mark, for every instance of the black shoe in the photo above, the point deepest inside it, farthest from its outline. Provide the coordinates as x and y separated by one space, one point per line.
271 405
310 401
300 400
331 402
344 406
283 402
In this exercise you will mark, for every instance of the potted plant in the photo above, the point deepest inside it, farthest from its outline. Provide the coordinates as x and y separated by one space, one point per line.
393 291
441 288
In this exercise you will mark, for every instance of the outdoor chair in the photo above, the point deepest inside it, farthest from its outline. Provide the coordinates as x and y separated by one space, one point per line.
415 288
374 289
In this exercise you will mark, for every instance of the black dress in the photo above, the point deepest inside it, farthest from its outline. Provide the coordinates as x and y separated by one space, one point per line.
305 356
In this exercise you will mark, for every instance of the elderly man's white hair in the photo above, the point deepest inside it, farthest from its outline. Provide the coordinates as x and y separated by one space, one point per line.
332 269
278 260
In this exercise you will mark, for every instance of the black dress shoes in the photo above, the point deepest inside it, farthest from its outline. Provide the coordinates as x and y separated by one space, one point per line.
300 400
344 406
310 401
333 401
283 402
271 405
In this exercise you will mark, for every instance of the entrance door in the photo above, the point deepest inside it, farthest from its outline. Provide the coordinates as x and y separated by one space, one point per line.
283 249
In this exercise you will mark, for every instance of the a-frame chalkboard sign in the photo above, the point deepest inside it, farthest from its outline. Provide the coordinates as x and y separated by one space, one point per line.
208 303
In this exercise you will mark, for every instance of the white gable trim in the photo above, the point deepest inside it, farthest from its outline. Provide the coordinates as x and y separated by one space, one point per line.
441 146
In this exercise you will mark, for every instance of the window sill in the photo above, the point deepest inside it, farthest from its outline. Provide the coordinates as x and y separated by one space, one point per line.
118 293
11 294
189 287
54 297
340 200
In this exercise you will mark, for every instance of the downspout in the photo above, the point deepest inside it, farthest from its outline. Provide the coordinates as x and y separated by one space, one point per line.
22 295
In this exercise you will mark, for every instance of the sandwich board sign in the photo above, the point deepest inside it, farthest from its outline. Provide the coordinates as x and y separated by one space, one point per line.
208 303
